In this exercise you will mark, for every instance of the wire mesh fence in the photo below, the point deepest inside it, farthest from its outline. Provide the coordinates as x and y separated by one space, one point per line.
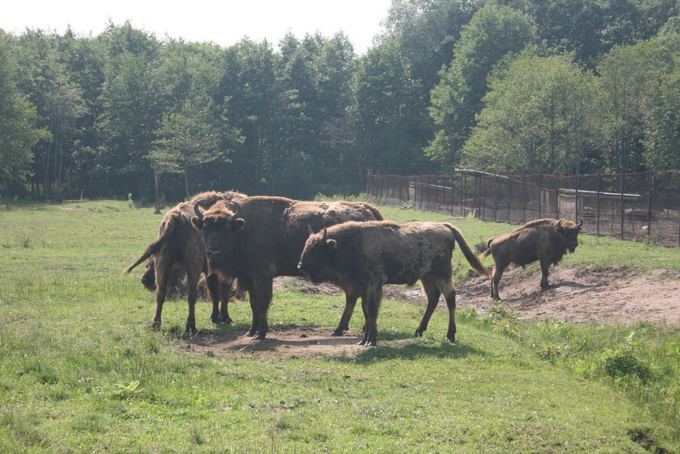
632 206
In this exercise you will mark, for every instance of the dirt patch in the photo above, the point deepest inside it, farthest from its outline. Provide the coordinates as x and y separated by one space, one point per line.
579 295
285 342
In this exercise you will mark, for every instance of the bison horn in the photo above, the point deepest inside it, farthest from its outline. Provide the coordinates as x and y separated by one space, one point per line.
235 207
325 233
580 222
309 228
198 209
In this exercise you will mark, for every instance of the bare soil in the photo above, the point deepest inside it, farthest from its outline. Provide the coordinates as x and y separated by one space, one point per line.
285 342
579 295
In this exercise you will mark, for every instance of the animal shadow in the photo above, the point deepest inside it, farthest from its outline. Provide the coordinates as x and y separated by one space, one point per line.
414 351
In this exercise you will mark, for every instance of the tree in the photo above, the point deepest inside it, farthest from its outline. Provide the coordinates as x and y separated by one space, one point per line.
17 124
184 140
386 108
46 82
131 108
493 32
541 115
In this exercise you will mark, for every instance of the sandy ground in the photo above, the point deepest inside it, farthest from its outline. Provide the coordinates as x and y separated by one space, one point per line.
579 295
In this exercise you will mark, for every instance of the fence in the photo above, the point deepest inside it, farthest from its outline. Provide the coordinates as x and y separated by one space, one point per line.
632 206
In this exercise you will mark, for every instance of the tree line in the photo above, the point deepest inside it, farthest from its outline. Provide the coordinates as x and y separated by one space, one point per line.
512 86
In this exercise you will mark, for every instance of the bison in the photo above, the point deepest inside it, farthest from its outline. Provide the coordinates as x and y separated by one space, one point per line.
258 238
361 257
546 240
179 249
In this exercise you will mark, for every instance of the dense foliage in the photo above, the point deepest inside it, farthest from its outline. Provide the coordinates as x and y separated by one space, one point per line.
510 86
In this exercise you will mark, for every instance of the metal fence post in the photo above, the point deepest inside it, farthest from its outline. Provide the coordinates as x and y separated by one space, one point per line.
462 195
622 203
649 205
597 203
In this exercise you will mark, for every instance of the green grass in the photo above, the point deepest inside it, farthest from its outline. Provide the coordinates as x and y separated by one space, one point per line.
81 371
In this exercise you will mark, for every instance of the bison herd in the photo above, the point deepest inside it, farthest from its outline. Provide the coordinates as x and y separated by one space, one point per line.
230 238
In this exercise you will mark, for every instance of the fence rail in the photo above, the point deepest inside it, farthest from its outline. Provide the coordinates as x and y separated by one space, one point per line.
633 206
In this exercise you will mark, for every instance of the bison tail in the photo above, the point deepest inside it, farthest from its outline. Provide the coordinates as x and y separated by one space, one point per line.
154 247
467 252
485 250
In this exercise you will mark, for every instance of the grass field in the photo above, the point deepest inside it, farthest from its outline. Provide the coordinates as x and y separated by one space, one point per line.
81 371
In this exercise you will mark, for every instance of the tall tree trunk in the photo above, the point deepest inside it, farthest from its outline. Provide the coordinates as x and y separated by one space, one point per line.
157 181
186 182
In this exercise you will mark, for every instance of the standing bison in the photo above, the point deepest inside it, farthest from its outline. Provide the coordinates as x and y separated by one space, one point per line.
546 240
361 257
179 248
258 238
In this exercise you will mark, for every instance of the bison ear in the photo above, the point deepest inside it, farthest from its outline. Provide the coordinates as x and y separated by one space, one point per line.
238 224
332 243
197 222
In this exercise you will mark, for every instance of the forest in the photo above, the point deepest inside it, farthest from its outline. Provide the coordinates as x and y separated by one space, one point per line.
508 86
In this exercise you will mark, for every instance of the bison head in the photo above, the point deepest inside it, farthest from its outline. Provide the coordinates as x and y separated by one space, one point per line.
220 226
318 252
569 231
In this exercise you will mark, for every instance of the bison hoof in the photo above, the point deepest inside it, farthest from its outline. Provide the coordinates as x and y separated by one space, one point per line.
259 337
155 325
361 342
190 331
451 339
227 321
418 333
338 332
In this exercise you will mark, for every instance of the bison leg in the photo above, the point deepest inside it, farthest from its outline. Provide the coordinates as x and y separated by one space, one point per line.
433 293
350 303
545 269
496 280
225 296
446 287
262 287
162 275
253 307
373 298
214 292
192 283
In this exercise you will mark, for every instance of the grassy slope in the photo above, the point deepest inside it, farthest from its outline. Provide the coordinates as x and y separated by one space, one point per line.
79 368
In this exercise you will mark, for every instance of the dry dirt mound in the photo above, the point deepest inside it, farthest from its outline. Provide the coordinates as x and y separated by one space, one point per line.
286 342
618 295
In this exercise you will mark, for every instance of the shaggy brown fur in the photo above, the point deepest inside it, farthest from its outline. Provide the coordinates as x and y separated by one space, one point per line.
361 257
179 249
262 237
546 240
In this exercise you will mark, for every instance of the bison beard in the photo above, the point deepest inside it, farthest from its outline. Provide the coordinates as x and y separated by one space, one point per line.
179 249
361 257
546 240
260 238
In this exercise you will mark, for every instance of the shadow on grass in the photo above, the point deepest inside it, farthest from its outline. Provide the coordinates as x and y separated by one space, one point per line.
414 351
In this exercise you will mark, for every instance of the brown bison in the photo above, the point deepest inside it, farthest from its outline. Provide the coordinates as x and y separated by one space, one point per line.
546 240
259 238
179 249
361 257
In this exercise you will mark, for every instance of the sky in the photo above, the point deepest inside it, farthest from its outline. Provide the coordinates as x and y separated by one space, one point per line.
223 22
